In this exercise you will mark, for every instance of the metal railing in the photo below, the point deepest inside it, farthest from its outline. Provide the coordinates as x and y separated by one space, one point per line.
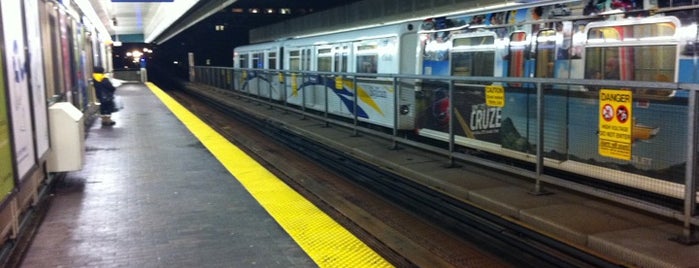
309 94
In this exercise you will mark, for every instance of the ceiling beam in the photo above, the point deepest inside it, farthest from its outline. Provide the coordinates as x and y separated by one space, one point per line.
196 14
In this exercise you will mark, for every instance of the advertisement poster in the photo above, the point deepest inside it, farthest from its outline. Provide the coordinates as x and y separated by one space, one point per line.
37 78
7 182
66 59
18 88
473 117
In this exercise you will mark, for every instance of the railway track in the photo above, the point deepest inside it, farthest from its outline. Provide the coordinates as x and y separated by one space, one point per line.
408 224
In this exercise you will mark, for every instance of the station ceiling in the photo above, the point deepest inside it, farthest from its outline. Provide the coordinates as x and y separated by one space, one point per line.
156 21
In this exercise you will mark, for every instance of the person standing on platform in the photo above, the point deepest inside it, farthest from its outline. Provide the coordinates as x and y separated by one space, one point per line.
105 93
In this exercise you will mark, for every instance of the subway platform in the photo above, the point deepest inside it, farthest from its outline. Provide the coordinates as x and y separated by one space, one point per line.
161 189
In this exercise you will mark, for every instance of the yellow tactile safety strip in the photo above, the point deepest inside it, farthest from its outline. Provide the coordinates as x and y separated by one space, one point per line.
323 239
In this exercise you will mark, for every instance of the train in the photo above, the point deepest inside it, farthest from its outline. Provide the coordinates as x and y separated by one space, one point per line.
634 136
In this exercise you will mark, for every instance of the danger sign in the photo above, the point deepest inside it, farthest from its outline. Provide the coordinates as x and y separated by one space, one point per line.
615 127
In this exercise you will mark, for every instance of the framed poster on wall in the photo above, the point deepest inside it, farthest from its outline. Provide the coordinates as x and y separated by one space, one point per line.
38 89
16 80
7 181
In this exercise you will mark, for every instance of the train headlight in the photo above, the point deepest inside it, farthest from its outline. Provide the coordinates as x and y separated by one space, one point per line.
404 109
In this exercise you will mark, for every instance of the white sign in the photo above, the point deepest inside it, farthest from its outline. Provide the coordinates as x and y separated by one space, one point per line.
18 88
36 63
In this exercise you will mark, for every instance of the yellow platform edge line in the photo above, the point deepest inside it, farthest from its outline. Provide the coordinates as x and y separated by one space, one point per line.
324 240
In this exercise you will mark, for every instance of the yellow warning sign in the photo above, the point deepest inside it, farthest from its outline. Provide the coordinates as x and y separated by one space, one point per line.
615 137
495 96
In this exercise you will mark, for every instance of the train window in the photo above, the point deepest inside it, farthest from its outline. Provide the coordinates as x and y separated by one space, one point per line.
640 63
473 63
474 41
367 55
243 61
272 60
639 32
545 53
473 56
518 51
640 58
341 59
295 60
324 62
258 60
367 63
306 60
367 47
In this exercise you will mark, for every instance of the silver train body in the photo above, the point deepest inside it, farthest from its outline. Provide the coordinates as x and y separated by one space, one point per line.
601 41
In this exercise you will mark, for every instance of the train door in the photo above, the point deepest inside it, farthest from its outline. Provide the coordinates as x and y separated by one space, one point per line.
294 64
298 62
268 84
339 90
257 63
376 95
318 84
274 60
241 60
307 56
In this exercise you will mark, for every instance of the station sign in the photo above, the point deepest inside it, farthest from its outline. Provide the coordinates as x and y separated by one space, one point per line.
615 123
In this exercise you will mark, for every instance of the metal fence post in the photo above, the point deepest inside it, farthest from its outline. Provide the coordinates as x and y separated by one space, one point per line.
396 111
451 124
270 79
325 106
355 117
303 96
539 140
689 236
285 97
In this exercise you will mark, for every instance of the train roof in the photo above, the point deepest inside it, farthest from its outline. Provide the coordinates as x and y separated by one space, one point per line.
345 35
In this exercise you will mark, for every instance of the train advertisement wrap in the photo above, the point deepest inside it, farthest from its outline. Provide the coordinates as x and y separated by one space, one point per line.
17 82
530 46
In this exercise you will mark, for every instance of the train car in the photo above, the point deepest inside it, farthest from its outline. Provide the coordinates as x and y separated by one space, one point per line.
597 40
260 56
616 40
385 49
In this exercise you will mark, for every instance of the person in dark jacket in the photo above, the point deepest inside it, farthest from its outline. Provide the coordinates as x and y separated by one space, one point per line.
105 93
